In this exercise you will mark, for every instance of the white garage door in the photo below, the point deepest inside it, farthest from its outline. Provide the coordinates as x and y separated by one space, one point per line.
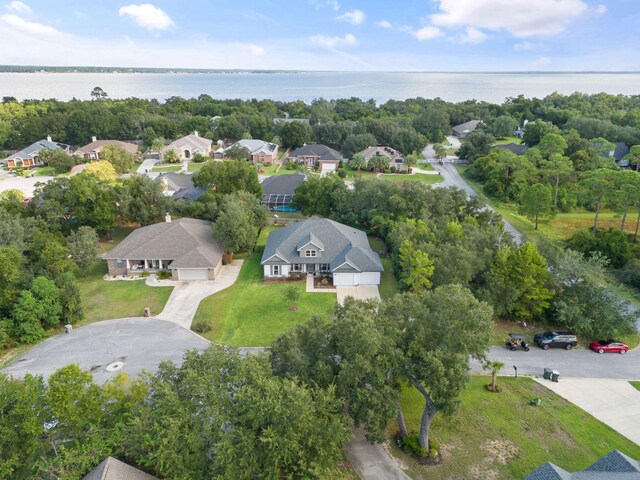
193 274
370 278
346 279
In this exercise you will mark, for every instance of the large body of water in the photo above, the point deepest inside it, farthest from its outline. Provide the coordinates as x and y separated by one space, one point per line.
306 86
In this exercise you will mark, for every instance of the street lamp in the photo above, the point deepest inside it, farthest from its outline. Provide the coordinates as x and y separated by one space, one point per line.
516 369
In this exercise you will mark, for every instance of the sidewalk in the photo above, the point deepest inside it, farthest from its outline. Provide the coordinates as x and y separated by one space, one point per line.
371 461
614 402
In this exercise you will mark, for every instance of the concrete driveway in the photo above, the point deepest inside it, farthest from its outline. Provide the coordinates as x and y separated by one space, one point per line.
148 164
186 296
139 343
27 185
360 292
372 462
614 402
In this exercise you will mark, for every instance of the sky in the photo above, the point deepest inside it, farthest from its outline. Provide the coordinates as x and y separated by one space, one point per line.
347 35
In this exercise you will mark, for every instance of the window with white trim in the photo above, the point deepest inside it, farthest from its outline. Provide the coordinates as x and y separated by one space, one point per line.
296 267
275 270
310 253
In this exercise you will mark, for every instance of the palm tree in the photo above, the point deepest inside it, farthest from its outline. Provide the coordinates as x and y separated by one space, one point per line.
495 366
440 151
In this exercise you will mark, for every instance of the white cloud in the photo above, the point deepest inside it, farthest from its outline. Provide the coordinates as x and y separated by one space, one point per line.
472 35
320 3
147 16
541 60
526 45
333 42
18 7
354 17
601 9
251 49
427 33
16 23
384 24
521 18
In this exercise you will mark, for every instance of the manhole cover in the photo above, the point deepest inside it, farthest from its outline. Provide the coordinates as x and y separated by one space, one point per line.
115 366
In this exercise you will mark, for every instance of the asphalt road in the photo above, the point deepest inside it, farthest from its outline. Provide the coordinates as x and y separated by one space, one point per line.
578 363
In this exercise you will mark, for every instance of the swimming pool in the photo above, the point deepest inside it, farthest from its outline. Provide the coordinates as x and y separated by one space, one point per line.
284 208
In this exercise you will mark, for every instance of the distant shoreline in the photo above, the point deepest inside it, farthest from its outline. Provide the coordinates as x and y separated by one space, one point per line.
79 69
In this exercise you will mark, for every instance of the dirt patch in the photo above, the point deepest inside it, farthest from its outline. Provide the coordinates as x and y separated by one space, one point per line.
500 451
484 472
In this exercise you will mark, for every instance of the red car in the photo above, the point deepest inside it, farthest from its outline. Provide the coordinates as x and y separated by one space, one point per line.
609 346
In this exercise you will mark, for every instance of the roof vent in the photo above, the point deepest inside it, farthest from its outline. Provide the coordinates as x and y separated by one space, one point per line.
49 138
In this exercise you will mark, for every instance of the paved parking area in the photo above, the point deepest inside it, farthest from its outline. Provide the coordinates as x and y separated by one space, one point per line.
27 185
614 402
360 292
139 343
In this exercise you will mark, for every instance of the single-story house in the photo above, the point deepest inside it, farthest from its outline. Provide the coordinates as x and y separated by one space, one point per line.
186 247
179 186
618 153
30 156
465 128
322 247
187 146
113 469
278 190
614 465
316 155
395 157
93 149
259 150
516 148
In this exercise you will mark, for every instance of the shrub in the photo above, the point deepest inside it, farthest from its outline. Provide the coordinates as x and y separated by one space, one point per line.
412 445
387 170
634 281
201 326
611 243
393 169
404 172
198 158
342 173
144 274
164 275
267 164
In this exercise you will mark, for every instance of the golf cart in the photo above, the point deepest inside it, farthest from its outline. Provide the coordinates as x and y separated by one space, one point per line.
516 341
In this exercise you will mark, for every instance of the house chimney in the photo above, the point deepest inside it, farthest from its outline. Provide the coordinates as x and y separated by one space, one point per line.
49 138
196 133
94 139
167 218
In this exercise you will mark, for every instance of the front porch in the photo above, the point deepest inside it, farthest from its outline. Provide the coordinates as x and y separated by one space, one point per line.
151 266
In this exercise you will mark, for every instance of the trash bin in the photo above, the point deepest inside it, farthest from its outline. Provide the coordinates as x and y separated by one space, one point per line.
555 375
68 327
547 374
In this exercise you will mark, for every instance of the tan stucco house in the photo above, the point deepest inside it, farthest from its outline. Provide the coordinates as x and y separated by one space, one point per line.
92 150
185 247
187 146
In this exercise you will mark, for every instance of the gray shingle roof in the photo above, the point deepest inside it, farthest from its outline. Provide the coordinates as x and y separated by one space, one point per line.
112 469
613 466
316 150
191 194
342 244
283 184
466 127
512 147
33 149
175 180
255 146
187 241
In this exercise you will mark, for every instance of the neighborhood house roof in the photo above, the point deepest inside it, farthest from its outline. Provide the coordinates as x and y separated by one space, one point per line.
112 469
190 193
512 147
466 127
613 466
322 152
340 245
191 142
256 146
382 150
34 149
175 181
188 242
282 184
98 145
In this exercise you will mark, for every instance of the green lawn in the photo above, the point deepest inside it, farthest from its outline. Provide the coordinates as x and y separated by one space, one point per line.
388 282
166 167
195 167
636 385
502 436
416 177
251 313
102 300
44 171
505 140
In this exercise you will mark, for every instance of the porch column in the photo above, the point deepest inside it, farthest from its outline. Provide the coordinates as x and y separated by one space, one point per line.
160 264
128 264
145 265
